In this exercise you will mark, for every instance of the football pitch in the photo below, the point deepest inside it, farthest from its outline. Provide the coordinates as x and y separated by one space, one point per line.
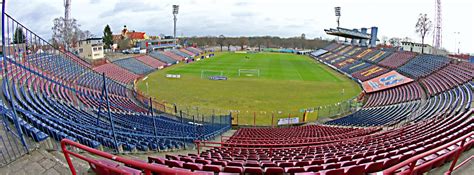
282 84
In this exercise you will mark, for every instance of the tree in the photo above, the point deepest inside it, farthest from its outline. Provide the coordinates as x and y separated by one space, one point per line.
423 27
221 41
66 32
394 42
242 42
107 38
19 37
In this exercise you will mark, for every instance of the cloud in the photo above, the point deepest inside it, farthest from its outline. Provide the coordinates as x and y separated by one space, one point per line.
130 6
247 17
243 14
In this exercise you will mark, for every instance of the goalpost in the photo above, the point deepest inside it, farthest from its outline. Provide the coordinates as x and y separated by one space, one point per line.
209 73
249 72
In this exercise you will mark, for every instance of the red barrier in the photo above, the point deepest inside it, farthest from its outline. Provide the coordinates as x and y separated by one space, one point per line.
146 167
412 161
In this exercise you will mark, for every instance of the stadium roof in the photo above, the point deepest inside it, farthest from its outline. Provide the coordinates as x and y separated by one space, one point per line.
347 33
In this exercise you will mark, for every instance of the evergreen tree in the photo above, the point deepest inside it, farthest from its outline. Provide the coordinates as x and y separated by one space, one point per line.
19 37
107 39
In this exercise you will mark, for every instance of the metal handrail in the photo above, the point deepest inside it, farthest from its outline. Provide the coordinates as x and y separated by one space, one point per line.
146 167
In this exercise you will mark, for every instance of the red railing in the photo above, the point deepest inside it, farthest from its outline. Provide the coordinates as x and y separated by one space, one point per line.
147 168
411 163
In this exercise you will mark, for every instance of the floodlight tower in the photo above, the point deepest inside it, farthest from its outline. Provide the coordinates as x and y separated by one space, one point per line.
175 13
67 9
437 35
67 14
338 14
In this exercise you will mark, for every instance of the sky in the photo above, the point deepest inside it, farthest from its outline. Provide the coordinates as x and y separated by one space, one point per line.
284 18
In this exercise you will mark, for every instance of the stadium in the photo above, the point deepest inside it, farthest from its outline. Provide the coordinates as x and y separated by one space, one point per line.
132 104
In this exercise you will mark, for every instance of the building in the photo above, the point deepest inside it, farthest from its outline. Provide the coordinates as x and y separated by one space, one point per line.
128 39
91 49
157 44
416 47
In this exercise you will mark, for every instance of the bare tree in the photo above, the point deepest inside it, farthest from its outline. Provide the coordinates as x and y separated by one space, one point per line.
67 32
423 27
221 41
394 42
243 41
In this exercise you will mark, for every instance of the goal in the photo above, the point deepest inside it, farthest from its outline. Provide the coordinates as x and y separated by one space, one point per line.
209 73
249 72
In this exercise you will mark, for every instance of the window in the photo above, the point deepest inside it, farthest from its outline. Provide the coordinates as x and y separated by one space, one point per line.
81 50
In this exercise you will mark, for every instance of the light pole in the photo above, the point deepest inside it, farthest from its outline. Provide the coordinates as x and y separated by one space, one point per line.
456 42
147 92
175 13
337 10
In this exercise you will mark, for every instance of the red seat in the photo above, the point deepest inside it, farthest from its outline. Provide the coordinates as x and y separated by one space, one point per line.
332 166
355 170
269 164
294 169
335 172
439 161
252 164
201 161
253 170
233 169
389 163
171 157
332 160
213 168
307 173
221 163
286 164
314 168
303 163
317 162
157 160
204 172
374 167
345 158
102 169
186 159
274 171
235 164
192 166
349 163
174 163
362 161
423 168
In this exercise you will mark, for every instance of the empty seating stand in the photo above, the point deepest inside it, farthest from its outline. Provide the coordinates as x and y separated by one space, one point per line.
369 73
135 66
117 73
403 93
397 59
363 154
448 77
423 65
158 55
154 63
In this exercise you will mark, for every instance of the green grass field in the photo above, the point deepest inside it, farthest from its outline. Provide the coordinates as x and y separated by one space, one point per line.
287 84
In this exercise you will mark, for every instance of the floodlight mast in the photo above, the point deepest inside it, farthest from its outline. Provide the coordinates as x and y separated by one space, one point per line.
175 13
338 14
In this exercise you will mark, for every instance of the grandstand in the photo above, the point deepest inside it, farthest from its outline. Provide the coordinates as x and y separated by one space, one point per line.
52 99
135 66
436 109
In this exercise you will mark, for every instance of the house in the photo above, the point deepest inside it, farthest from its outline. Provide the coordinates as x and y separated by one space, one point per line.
91 49
128 39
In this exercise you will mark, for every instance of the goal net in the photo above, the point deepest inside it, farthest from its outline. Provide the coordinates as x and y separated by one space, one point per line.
249 72
209 73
